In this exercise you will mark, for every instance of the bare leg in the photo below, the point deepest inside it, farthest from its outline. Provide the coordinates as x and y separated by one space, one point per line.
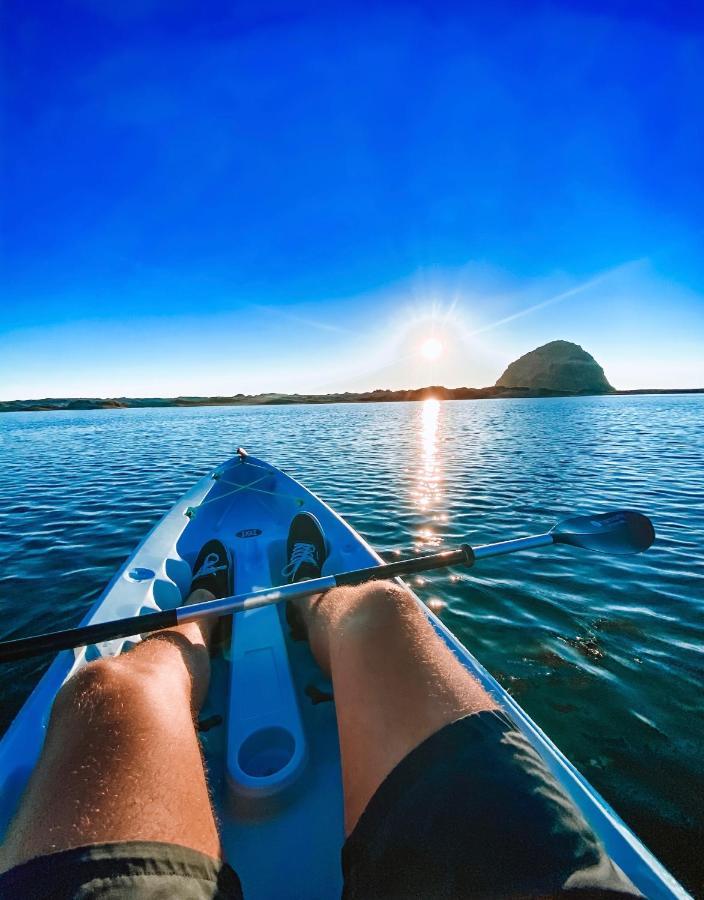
121 761
395 681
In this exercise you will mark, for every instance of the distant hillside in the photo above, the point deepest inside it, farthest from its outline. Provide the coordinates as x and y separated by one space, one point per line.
271 399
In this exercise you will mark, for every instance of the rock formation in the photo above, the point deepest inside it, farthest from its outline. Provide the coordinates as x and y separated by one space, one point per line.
559 366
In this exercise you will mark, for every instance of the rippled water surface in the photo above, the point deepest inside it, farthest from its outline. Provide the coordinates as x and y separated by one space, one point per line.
606 654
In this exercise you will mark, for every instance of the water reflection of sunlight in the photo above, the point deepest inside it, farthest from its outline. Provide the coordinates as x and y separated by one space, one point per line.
429 481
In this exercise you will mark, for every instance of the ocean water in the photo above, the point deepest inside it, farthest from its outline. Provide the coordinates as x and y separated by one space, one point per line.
606 654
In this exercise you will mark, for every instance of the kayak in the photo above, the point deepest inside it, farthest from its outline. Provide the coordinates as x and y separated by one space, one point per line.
268 727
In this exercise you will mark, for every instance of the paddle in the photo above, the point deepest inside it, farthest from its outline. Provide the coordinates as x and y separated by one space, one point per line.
618 532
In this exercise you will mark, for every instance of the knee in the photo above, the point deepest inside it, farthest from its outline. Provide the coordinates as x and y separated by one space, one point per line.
374 605
97 685
387 597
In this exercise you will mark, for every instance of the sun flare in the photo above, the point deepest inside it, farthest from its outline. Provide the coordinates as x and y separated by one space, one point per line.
431 348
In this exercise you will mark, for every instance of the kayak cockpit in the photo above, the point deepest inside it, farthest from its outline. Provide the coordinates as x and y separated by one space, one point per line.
273 762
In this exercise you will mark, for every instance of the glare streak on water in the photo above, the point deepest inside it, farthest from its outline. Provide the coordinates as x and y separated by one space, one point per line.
607 654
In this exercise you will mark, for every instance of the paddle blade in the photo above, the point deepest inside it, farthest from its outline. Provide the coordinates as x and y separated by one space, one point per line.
620 532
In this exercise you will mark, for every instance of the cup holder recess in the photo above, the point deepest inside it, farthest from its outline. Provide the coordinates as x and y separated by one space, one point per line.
266 752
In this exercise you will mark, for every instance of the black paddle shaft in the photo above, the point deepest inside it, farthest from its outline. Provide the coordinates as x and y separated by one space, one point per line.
23 648
464 556
621 531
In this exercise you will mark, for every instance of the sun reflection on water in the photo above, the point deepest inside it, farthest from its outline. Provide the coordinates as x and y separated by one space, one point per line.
428 489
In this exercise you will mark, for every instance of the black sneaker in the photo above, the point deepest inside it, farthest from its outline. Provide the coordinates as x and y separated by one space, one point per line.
306 550
213 570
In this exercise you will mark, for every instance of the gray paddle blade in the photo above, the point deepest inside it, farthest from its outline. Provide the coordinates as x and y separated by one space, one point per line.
620 532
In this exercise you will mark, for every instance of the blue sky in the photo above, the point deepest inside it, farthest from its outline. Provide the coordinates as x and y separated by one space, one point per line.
204 198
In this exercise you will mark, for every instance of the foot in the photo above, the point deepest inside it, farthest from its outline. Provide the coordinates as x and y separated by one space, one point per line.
213 576
213 570
306 551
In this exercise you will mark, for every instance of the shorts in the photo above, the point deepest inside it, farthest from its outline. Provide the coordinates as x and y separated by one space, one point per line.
471 812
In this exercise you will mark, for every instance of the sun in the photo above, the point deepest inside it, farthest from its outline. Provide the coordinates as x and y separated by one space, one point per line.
431 348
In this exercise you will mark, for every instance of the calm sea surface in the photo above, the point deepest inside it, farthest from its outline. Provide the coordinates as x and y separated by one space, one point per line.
606 654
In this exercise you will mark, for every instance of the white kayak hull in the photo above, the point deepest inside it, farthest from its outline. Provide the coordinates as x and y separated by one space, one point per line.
271 746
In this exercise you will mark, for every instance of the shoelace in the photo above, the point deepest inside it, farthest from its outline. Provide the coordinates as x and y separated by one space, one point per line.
302 553
209 567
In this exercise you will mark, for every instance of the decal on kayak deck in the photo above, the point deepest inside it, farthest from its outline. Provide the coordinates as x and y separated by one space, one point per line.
248 532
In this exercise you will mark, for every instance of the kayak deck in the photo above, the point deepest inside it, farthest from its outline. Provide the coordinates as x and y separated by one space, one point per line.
269 733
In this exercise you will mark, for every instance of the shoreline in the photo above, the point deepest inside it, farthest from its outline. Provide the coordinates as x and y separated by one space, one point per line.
75 404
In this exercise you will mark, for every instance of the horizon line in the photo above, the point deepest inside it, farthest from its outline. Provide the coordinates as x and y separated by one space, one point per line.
211 400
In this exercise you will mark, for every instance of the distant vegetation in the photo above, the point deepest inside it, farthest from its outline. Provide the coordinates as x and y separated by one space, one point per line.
557 369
